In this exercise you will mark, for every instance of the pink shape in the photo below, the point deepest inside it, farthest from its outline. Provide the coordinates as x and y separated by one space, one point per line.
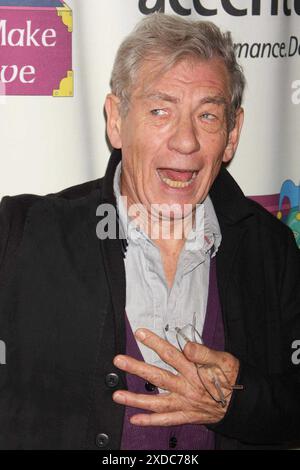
51 63
269 202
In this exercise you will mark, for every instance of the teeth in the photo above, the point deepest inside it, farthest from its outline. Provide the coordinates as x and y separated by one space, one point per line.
176 184
179 184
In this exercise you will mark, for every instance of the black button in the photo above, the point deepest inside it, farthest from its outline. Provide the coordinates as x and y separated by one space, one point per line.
173 442
102 440
150 387
112 380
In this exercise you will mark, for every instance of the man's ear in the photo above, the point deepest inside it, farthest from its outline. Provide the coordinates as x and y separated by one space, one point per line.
113 124
234 136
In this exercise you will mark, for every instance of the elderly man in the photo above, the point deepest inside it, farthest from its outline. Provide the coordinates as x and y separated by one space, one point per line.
94 325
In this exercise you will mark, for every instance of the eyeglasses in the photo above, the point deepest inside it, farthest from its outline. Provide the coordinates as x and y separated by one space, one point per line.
212 376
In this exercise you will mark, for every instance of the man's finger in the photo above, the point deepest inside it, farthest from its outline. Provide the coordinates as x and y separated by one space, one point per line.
167 352
176 418
200 354
161 403
156 376
221 365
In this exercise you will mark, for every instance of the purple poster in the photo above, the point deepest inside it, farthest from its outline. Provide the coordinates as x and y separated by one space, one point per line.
36 47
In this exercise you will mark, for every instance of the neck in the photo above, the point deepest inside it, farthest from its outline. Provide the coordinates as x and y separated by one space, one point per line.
158 227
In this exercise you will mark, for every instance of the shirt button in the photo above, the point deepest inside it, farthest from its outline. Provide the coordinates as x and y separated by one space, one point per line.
102 440
150 387
173 442
112 380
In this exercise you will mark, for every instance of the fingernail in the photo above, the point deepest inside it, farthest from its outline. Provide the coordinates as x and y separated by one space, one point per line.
119 398
140 334
134 420
119 362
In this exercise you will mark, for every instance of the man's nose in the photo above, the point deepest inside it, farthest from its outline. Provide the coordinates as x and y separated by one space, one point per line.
184 137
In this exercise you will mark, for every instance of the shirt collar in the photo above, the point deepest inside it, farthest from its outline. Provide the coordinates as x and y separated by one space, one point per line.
205 237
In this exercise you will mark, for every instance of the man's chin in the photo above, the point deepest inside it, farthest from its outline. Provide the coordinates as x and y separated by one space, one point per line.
172 210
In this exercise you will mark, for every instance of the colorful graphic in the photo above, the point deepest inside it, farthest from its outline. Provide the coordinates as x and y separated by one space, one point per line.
285 206
291 193
36 47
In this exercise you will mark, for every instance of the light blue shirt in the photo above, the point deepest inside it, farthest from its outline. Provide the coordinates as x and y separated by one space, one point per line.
150 303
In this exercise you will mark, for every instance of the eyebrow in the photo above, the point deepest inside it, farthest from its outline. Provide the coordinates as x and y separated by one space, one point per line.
215 99
218 99
160 96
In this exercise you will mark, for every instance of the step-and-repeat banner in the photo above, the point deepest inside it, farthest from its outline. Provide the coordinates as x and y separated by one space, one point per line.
55 64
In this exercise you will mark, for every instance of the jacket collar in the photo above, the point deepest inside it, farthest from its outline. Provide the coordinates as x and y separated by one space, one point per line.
229 201
108 180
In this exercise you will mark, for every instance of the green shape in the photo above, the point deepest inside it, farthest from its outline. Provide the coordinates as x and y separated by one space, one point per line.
293 221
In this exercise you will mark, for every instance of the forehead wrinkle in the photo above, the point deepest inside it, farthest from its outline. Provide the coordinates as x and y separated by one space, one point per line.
157 95
161 96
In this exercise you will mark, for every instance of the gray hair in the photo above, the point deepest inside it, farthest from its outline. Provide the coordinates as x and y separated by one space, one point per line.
174 38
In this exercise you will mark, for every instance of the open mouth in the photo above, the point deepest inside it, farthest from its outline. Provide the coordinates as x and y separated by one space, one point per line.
175 178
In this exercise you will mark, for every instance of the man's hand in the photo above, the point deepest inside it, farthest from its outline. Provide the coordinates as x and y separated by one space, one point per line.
186 400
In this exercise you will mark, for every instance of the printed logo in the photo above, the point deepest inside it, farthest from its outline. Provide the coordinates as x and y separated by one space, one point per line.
296 354
253 8
296 93
163 221
2 353
36 47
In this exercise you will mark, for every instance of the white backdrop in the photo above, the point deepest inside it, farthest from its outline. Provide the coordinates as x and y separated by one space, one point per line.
50 143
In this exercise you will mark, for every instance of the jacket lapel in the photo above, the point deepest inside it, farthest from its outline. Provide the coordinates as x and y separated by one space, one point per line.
113 260
234 214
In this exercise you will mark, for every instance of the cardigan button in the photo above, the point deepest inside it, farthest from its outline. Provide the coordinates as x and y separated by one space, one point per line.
150 387
102 440
112 380
173 442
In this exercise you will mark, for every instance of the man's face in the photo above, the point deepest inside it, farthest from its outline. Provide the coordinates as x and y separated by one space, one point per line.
175 134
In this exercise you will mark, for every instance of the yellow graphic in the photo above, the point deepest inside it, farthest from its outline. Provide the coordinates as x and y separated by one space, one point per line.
66 86
66 15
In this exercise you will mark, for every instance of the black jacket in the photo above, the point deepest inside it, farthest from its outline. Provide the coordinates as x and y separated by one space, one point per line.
62 302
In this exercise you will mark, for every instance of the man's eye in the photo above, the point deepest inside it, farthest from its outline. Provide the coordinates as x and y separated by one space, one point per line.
158 112
208 116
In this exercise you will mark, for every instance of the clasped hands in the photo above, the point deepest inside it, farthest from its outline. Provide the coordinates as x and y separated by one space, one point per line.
186 400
